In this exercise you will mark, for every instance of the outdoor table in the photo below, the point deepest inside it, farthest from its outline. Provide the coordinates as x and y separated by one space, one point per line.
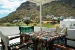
44 39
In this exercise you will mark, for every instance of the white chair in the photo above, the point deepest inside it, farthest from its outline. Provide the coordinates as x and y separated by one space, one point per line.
61 30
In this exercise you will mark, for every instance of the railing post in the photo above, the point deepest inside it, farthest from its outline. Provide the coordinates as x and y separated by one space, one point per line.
3 47
21 38
50 45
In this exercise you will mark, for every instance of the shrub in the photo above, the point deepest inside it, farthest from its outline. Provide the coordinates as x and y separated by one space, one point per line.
35 24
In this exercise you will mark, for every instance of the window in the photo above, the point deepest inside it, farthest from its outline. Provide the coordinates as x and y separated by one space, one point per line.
73 24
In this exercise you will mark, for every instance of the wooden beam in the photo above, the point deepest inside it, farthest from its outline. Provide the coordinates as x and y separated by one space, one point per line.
62 47
70 39
14 37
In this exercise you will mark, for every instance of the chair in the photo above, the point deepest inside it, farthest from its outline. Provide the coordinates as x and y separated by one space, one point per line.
24 30
65 46
14 46
61 40
61 30
24 38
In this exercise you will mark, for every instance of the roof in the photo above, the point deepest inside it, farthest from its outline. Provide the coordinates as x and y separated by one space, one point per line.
40 1
69 20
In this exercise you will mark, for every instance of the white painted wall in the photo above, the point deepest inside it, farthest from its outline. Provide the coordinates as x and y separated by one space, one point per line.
65 24
71 34
69 24
71 30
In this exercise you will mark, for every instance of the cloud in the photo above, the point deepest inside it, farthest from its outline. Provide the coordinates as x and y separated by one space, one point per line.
7 6
4 11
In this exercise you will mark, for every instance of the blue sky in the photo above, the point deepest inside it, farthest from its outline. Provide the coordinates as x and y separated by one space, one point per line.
8 6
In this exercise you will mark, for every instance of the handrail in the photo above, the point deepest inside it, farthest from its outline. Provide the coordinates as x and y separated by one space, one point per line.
14 44
70 39
62 29
62 47
14 34
13 37
0 42
20 46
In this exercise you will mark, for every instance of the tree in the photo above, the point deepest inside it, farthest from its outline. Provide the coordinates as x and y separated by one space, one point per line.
27 21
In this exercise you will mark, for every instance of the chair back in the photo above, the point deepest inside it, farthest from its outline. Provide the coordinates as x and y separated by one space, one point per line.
26 29
62 30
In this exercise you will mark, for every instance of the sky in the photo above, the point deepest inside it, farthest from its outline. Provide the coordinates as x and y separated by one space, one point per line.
8 6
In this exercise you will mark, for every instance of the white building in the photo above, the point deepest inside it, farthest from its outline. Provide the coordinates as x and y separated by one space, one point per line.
70 23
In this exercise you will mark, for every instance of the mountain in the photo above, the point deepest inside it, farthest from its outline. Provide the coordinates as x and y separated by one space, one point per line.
60 8
28 9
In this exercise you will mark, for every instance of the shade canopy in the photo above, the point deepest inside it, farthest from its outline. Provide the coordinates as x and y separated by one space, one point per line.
40 1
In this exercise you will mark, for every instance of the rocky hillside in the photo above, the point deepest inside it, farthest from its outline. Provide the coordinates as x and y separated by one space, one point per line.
29 9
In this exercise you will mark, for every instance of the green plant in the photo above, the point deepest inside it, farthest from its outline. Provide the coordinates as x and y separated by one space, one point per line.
27 22
35 24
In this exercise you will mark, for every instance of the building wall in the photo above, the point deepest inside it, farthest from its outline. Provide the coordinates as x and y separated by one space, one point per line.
70 31
71 34
72 25
65 24
69 24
